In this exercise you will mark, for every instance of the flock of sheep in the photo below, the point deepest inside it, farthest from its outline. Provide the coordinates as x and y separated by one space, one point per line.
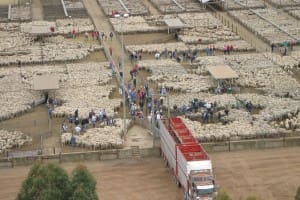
98 138
276 116
87 86
18 44
11 139
261 22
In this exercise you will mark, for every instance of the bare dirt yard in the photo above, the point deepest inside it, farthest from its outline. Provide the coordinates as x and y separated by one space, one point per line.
146 179
272 174
269 174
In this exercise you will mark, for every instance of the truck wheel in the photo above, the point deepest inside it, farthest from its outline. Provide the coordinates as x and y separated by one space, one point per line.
178 183
185 196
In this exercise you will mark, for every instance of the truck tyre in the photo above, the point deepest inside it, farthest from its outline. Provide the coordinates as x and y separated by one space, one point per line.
185 196
167 164
178 183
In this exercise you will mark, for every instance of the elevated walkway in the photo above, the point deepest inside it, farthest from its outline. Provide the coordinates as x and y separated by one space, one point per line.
52 10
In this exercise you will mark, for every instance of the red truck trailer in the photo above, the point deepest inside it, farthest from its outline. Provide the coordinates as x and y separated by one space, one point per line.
188 161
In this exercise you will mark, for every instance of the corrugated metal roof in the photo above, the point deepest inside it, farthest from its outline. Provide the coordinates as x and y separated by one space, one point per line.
45 82
222 72
174 23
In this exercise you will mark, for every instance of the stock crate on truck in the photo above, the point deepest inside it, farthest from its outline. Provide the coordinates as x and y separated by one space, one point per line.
189 162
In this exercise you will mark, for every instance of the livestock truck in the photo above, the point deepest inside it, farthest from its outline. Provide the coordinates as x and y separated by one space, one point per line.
187 159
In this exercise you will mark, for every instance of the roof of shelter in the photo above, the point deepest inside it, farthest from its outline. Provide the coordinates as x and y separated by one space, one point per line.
45 82
39 28
215 1
174 23
222 72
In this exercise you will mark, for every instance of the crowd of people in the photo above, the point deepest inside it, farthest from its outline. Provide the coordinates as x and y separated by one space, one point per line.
187 56
94 35
51 104
138 98
227 49
284 47
209 112
91 121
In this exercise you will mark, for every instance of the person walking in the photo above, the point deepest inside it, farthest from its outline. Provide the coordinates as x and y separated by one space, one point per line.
74 33
134 80
77 129
93 35
86 35
110 50
94 119
64 127
207 51
76 113
97 35
111 35
272 47
50 112
225 49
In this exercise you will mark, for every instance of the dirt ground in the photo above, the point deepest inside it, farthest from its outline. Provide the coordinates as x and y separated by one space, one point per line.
6 2
272 174
120 179
269 174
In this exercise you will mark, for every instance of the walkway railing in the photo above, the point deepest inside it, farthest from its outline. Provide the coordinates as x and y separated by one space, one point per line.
9 12
64 8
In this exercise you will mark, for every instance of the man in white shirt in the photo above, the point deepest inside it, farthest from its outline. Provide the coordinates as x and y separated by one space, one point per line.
77 130
94 120
157 56
158 116
101 115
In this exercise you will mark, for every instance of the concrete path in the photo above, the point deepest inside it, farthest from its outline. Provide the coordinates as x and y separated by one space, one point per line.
247 35
138 136
152 9
37 10
102 24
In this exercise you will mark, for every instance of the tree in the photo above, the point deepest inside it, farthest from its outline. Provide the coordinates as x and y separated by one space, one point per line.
252 198
297 197
83 185
45 182
222 195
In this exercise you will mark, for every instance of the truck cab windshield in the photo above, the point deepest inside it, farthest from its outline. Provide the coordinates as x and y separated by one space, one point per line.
205 191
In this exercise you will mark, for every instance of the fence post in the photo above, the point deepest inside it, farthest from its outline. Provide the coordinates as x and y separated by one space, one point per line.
41 142
99 154
60 157
12 162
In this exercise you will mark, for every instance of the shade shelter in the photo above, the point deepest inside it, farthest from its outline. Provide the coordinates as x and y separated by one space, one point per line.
45 83
174 23
211 1
218 3
39 28
221 73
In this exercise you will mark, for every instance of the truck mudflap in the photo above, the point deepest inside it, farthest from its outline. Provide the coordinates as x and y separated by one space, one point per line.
187 197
